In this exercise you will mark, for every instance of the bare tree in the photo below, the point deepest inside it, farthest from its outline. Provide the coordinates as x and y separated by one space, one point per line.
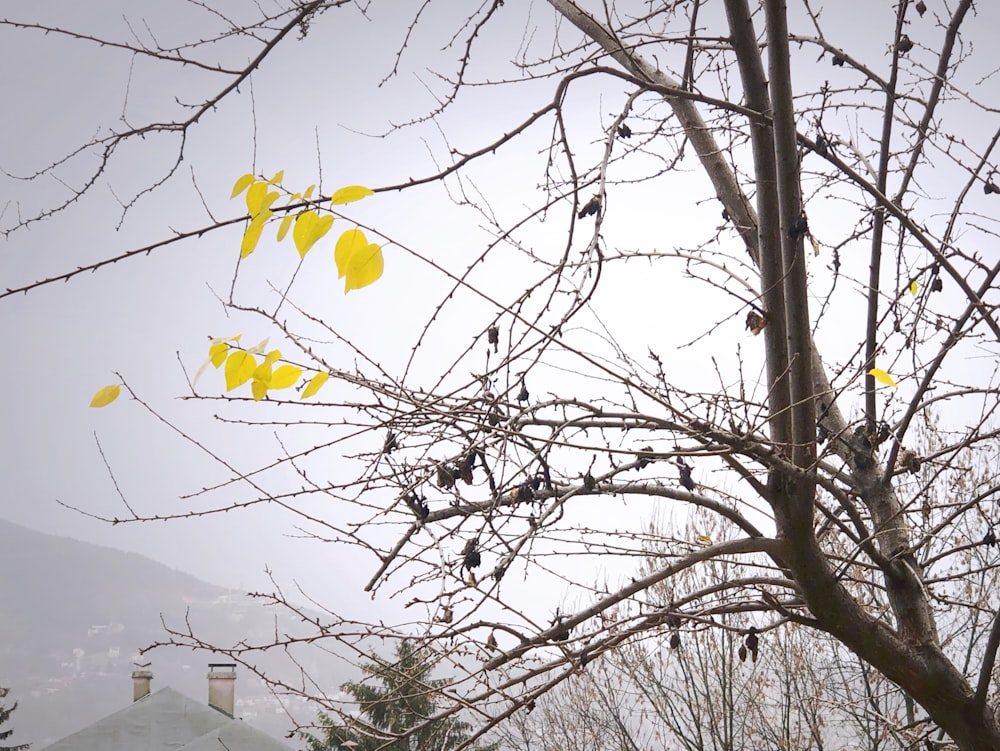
598 371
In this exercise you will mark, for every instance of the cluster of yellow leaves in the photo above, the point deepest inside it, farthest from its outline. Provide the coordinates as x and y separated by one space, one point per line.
242 365
359 262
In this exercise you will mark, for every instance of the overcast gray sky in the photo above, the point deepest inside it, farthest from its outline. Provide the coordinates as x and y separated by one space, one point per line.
316 104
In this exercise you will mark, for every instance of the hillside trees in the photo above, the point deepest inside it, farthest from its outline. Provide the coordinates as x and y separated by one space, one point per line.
401 700
753 278
7 732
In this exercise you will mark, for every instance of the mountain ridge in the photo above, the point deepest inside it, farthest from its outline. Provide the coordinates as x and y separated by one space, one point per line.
75 614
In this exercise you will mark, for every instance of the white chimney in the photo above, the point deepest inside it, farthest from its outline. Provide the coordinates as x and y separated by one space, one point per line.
140 683
222 686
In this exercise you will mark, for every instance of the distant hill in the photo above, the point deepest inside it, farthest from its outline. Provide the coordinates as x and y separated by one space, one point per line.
73 615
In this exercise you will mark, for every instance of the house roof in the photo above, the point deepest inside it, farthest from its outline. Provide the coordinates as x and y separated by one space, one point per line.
166 720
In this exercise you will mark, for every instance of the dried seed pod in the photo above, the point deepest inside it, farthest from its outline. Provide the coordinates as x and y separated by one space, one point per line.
799 228
593 206
466 467
752 642
471 557
390 444
687 482
445 477
755 322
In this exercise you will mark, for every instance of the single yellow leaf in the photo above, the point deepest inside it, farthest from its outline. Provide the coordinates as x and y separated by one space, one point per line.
315 384
278 177
217 353
704 540
364 268
252 235
310 227
309 192
105 396
240 367
242 184
255 197
350 193
880 375
258 389
273 356
286 222
285 376
352 241
914 288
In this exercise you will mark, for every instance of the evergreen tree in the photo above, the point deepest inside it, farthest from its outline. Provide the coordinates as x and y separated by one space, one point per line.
5 714
399 697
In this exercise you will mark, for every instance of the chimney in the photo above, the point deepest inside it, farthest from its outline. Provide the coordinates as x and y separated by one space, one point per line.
140 683
222 686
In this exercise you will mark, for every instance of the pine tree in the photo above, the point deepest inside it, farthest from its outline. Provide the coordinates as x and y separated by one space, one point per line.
398 699
5 714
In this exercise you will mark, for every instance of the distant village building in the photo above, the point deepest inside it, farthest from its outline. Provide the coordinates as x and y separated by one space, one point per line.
166 720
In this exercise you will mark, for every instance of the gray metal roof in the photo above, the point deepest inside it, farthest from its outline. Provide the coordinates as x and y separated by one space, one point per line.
167 721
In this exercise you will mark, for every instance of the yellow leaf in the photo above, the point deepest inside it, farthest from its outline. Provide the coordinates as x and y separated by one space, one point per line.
880 375
258 389
259 200
349 243
242 184
217 353
914 288
285 376
278 177
218 348
350 193
704 540
273 356
255 197
358 261
309 192
315 384
364 268
105 396
252 235
286 222
262 374
240 367
310 227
